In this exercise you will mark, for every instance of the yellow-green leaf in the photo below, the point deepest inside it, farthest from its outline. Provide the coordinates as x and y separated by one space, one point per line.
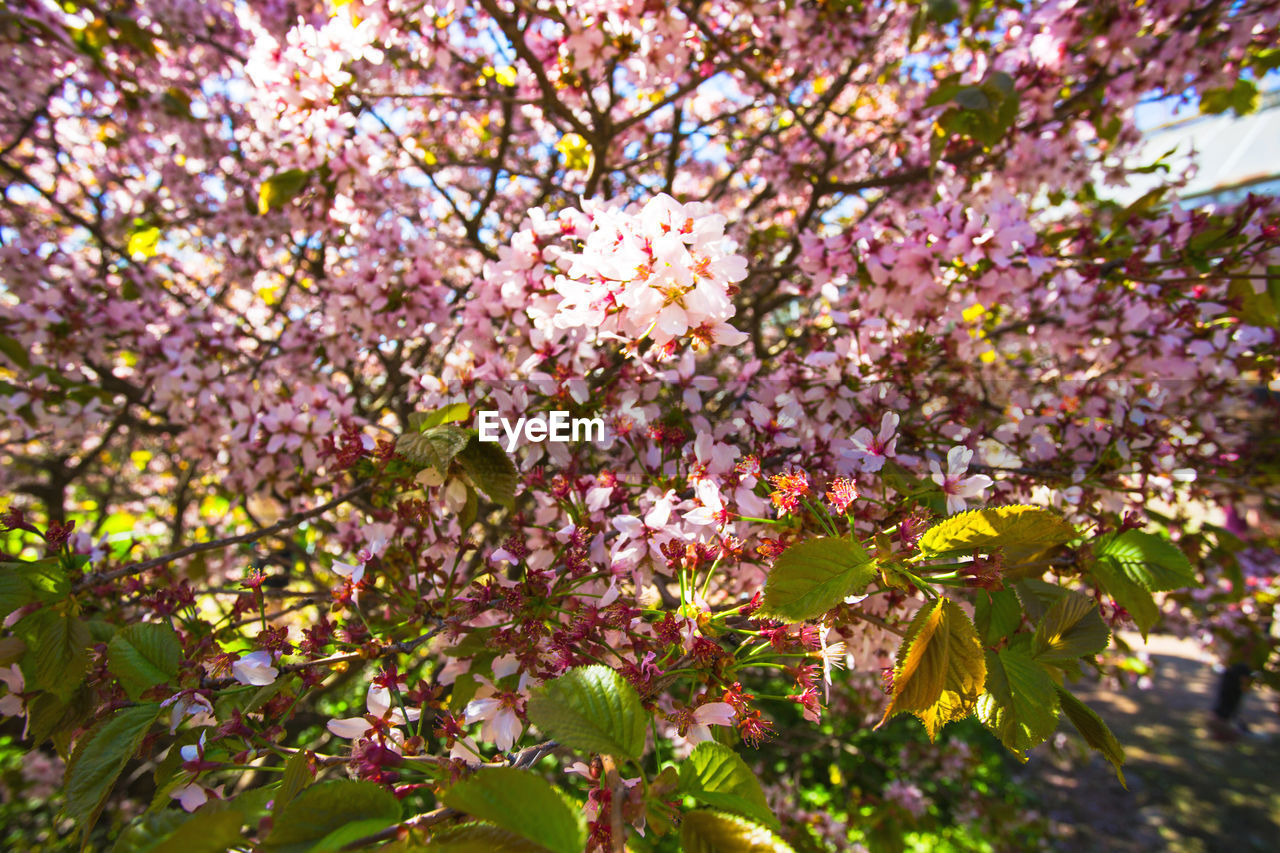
1071 628
717 832
522 802
1092 728
480 838
1020 705
281 188
940 669
1002 526
143 242
592 709
576 151
716 776
814 576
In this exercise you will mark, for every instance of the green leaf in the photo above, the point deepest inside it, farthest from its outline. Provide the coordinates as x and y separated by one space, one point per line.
13 350
940 668
972 98
1037 596
143 242
144 655
46 580
480 838
50 717
99 758
1001 526
592 709
434 448
15 592
717 832
1092 728
298 773
491 469
312 816
1242 98
1137 601
452 413
280 189
1020 706
57 650
1148 560
715 775
213 829
1257 308
814 576
470 510
1071 628
996 615
524 803
348 833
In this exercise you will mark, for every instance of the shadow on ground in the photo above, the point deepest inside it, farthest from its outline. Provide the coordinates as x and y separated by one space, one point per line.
1187 792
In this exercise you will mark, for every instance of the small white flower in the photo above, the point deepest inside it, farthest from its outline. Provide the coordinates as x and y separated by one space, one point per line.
194 796
954 484
378 704
500 725
353 573
706 716
193 751
189 704
254 668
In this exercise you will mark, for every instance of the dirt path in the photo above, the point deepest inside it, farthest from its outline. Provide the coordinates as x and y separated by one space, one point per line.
1186 792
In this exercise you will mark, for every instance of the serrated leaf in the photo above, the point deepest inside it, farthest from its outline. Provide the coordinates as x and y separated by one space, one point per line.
524 803
480 838
280 189
213 829
1037 597
298 773
592 709
491 469
1001 526
46 580
705 831
716 776
143 655
1094 731
1148 560
312 816
47 715
1071 628
99 757
57 650
15 592
996 615
1020 705
434 448
810 578
349 833
1139 603
940 667
452 413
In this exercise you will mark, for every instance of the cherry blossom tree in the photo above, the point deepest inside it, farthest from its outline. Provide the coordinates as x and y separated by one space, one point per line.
904 412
